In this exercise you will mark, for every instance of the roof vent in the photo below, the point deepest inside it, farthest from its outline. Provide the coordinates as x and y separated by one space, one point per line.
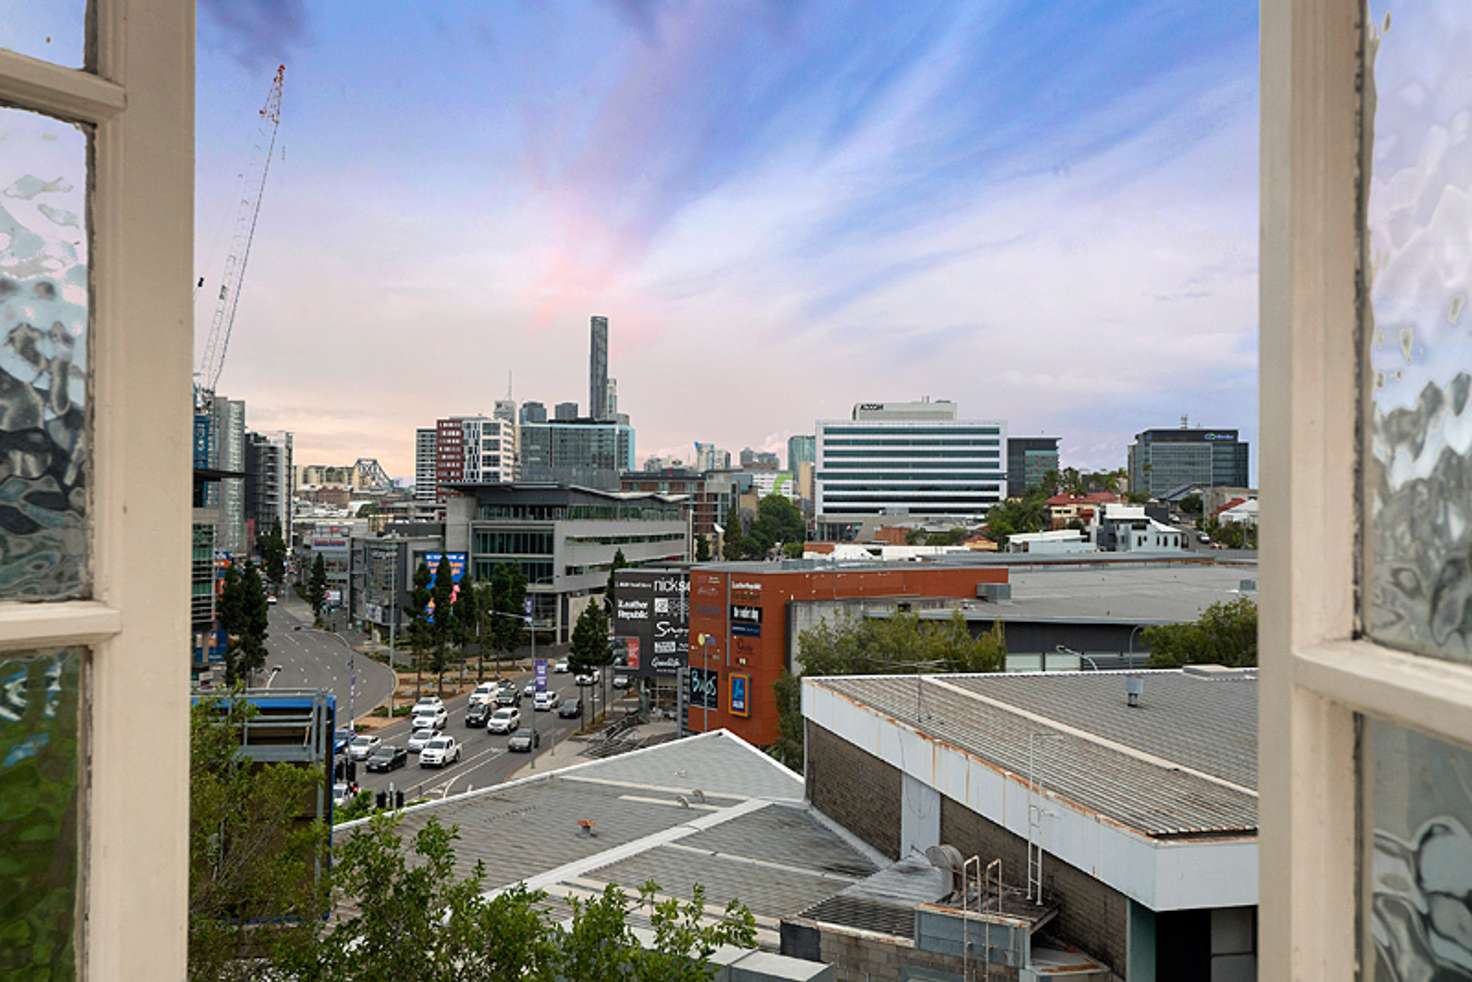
994 592
949 858
1134 688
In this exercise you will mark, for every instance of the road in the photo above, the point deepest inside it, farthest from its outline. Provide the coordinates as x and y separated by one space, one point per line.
314 659
484 759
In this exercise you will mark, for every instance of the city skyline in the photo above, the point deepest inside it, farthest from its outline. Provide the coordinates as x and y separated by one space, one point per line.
781 211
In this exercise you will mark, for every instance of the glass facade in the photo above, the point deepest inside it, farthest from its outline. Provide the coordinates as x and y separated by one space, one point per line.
929 468
581 452
1160 461
514 542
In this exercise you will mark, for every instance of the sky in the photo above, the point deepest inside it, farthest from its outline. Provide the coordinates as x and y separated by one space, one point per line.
1046 212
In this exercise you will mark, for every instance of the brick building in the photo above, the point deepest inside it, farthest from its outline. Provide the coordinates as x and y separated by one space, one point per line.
1138 817
752 612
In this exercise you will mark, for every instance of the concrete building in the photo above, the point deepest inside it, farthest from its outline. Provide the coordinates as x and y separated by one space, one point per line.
598 368
709 496
1131 820
332 541
425 462
565 411
1058 542
1127 528
381 576
912 459
587 452
1163 459
801 448
1029 459
474 449
219 444
709 457
563 538
269 484
759 459
533 412
1066 508
765 482
612 400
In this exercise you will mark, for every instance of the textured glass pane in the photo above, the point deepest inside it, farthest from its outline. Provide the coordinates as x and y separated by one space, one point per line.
44 299
40 698
52 30
1419 862
1417 328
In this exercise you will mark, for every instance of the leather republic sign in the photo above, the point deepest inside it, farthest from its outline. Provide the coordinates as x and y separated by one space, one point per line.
652 608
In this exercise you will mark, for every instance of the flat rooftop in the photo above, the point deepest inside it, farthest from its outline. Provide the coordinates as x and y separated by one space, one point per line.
709 810
1183 763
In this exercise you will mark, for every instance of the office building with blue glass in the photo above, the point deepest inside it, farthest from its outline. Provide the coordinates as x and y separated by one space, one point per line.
1162 460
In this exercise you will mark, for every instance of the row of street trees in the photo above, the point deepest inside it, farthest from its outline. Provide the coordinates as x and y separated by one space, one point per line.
444 616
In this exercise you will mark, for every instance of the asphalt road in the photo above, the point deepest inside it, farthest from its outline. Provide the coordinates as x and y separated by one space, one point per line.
315 659
484 759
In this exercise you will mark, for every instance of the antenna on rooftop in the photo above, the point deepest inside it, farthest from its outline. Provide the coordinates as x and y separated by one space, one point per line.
1185 422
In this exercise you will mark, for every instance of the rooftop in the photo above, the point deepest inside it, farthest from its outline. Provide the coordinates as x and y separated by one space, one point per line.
1181 764
709 809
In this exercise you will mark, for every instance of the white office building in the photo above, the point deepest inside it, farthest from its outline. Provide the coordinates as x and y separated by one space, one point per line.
424 463
909 460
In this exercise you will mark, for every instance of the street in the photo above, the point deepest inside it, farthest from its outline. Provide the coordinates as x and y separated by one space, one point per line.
313 659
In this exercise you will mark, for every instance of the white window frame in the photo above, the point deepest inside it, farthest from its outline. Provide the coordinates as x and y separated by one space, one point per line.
134 839
1318 671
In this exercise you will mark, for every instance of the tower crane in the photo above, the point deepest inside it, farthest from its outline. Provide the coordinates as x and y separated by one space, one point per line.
248 212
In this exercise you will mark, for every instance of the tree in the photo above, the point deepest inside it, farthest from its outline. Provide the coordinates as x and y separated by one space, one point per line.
1026 514
442 627
896 645
619 562
778 520
733 539
412 910
466 611
244 617
317 586
1137 497
702 549
253 858
1191 504
590 648
504 625
1224 634
273 557
230 613
418 628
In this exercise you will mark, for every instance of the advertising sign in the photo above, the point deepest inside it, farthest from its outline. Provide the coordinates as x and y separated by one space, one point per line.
746 621
740 694
705 688
457 573
651 615
540 674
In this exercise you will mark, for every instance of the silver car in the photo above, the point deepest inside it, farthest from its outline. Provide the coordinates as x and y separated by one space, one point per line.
420 738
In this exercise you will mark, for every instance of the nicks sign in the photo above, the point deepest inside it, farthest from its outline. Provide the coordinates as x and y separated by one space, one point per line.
651 607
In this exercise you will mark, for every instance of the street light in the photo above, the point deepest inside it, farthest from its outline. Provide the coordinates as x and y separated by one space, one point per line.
705 641
275 670
1063 650
1137 627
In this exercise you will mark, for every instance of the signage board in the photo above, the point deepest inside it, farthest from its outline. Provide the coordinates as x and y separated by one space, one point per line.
540 674
740 694
457 573
705 688
746 621
651 615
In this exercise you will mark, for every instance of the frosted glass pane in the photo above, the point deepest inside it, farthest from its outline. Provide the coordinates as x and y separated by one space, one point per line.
44 305
1418 330
52 30
40 696
1419 862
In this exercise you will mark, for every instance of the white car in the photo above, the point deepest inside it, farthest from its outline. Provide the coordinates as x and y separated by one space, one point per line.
428 703
341 794
544 702
419 739
589 678
620 681
530 689
433 719
440 751
484 693
562 666
362 746
504 720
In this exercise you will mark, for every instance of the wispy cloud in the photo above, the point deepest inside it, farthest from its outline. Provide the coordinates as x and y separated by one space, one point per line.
255 33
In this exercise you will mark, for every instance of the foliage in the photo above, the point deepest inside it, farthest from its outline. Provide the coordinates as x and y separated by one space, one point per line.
317 586
619 562
358 806
273 556
418 629
792 550
1016 515
895 645
1225 634
702 549
589 648
1190 504
778 520
504 627
244 616
1233 535
1137 497
733 539
413 912
442 627
253 855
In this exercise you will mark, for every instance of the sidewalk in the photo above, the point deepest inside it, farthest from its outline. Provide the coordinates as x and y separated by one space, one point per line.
570 749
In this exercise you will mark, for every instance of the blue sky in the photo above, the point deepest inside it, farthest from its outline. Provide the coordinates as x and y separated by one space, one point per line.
1046 212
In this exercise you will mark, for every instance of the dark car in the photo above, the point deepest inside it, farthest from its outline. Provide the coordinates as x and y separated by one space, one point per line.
509 697
387 758
570 709
478 714
523 740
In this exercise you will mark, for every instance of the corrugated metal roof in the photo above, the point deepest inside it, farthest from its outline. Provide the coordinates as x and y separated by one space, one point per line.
1088 771
716 763
769 891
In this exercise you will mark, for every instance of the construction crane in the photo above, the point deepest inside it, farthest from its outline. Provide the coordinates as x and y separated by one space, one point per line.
246 216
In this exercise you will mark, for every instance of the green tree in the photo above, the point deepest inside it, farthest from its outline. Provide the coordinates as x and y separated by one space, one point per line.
412 910
504 627
1191 504
702 549
317 586
1224 634
619 562
778 520
273 557
466 611
417 630
590 648
896 645
1016 515
442 626
1137 497
733 537
230 613
253 858
257 620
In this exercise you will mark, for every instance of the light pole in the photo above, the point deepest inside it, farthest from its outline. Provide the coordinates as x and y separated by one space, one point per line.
1064 650
705 641
1133 630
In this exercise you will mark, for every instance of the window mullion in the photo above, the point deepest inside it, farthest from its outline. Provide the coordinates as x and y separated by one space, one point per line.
1423 693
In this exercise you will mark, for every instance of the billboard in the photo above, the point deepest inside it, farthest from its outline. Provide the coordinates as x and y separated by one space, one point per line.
457 573
746 621
651 613
705 688
541 674
740 694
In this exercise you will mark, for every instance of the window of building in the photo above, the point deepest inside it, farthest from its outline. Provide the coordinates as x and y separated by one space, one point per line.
97 176
1366 358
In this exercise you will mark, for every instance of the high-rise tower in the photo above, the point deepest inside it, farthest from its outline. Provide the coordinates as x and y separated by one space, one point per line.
598 369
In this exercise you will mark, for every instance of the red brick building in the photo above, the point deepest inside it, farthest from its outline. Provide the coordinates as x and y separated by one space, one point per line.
745 610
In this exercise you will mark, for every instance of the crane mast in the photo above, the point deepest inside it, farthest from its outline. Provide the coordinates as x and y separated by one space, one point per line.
247 214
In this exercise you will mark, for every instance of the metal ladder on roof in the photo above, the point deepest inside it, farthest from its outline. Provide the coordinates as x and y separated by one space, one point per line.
1036 812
